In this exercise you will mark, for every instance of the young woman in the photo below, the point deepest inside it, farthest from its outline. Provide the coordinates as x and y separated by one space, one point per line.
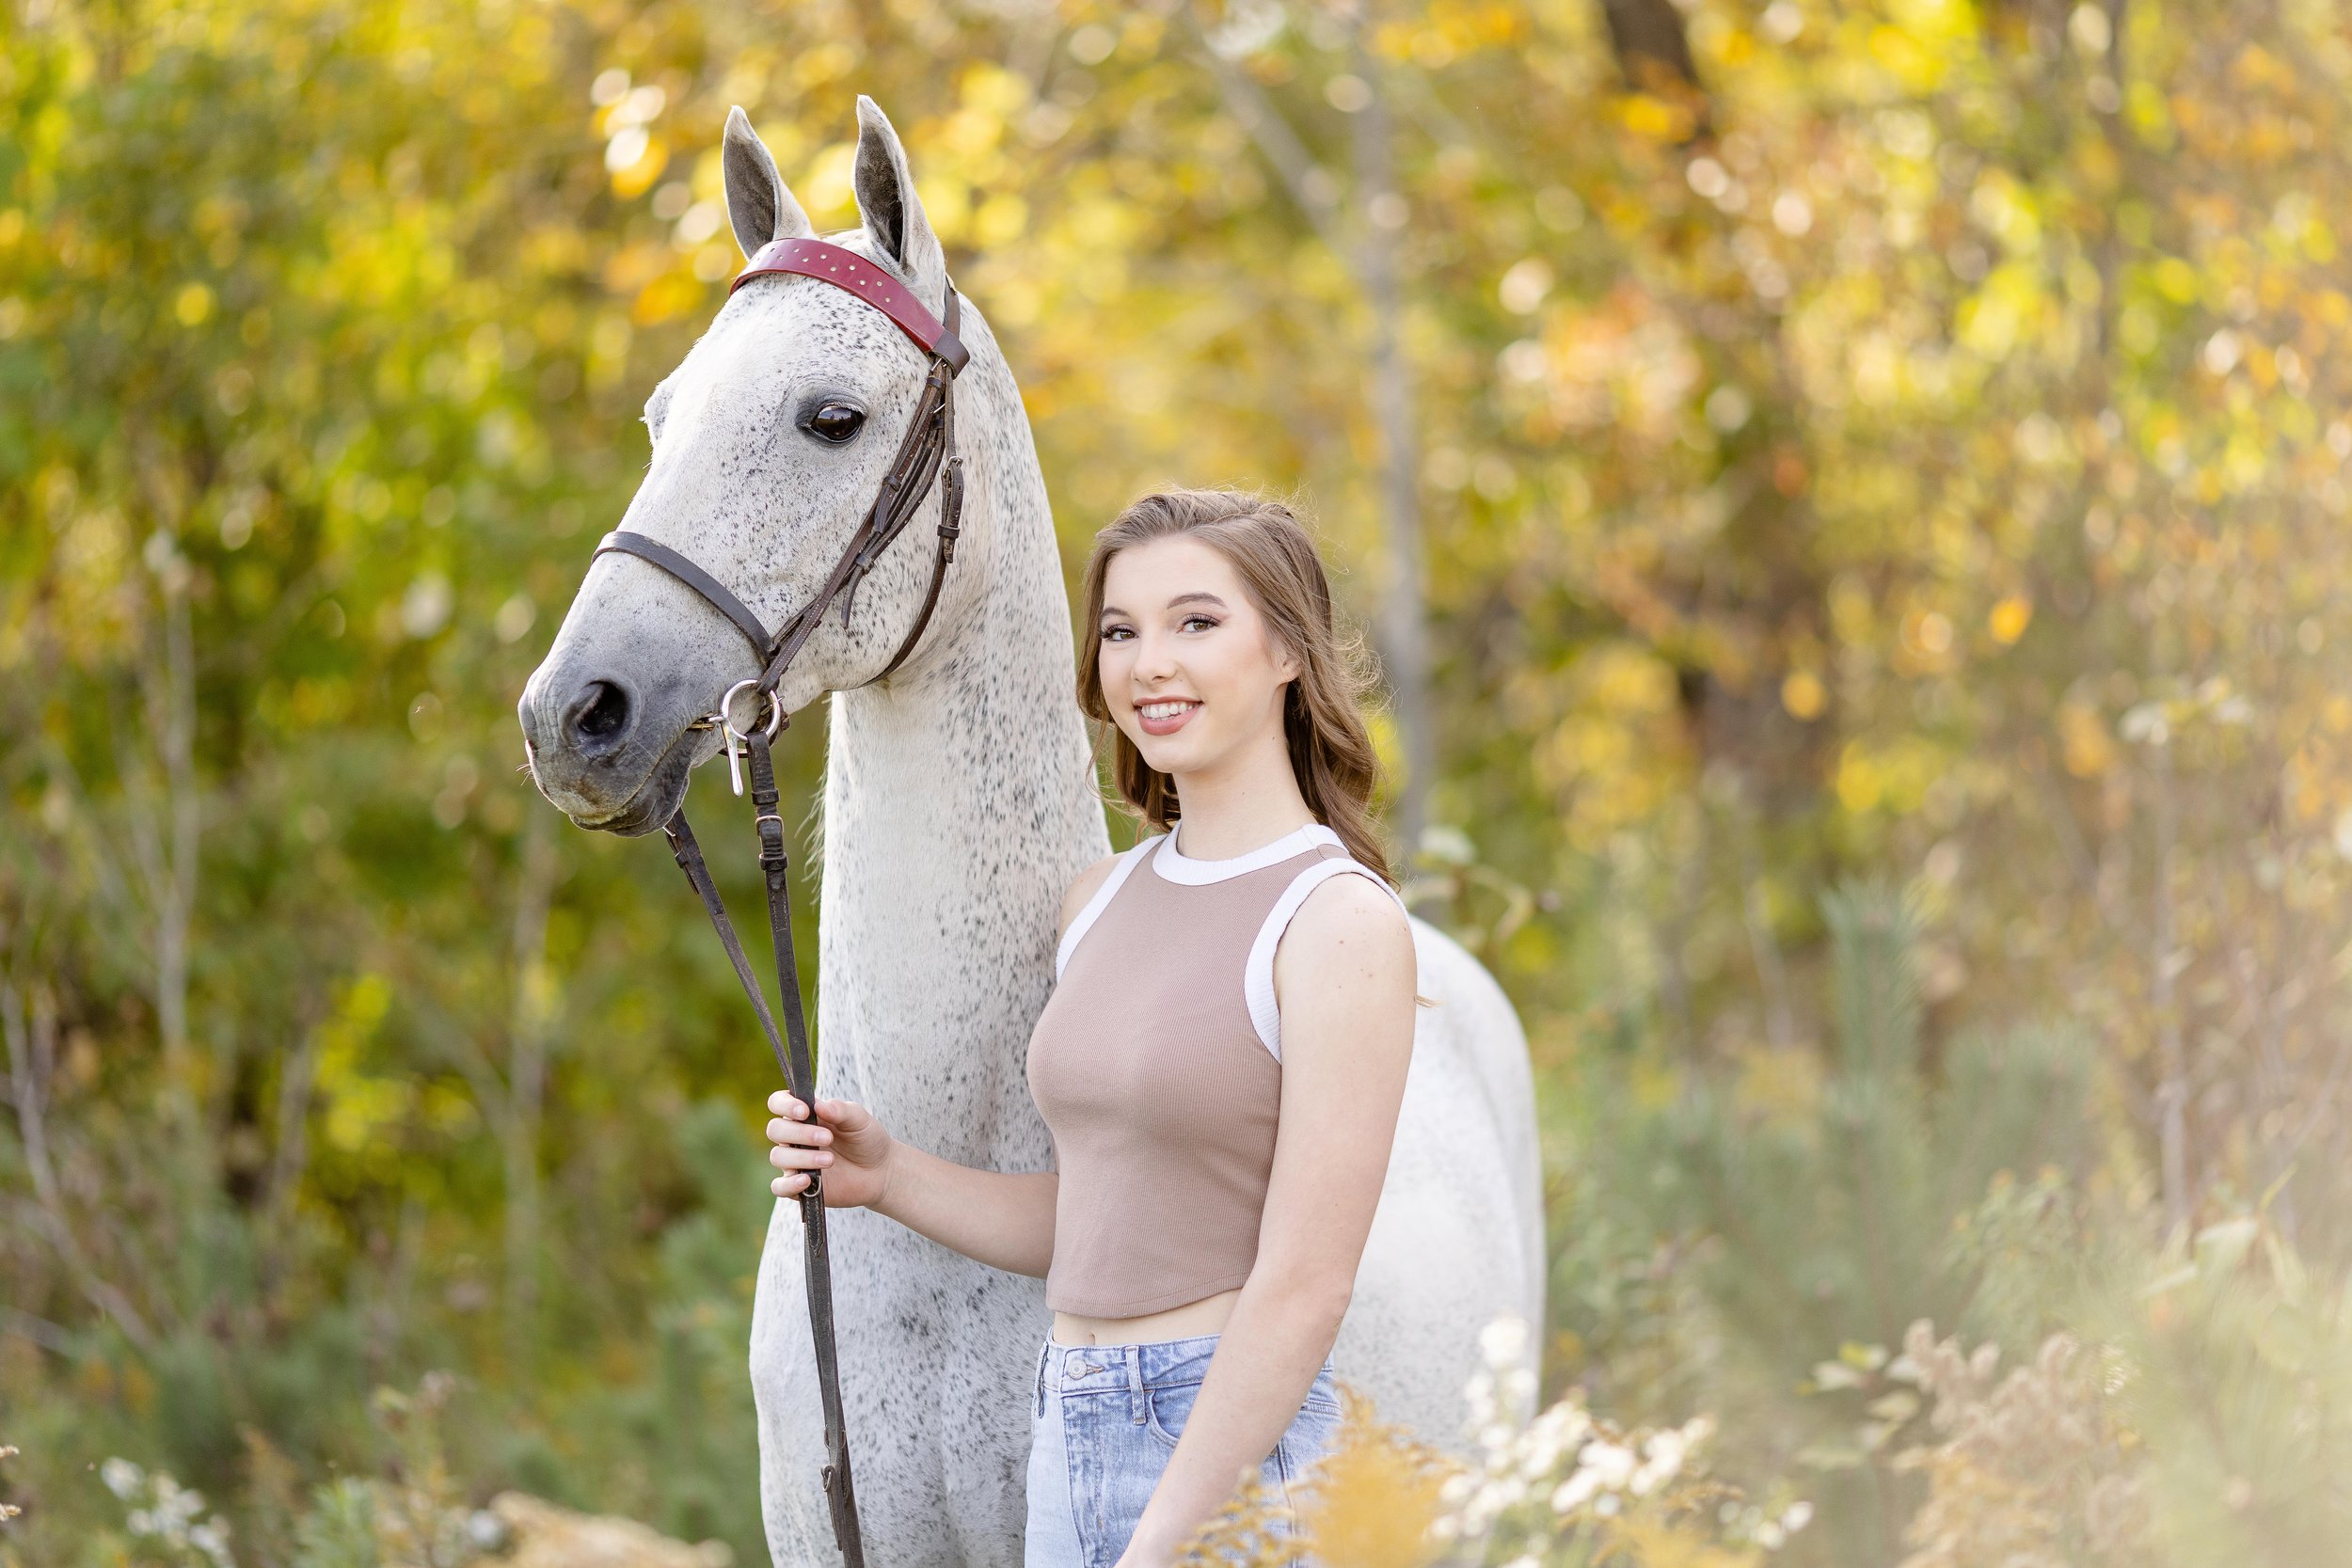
1221 1061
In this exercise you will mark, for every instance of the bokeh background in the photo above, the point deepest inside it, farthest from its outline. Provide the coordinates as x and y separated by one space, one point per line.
1851 497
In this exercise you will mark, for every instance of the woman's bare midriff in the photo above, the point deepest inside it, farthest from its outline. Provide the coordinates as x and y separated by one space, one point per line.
1205 1316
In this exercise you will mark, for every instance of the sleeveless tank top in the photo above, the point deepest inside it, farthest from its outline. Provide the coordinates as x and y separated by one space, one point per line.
1157 1064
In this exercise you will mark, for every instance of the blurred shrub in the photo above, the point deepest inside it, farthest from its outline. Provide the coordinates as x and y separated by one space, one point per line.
1563 1489
1786 1232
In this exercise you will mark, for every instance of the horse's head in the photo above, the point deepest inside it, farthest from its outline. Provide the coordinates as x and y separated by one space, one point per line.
769 440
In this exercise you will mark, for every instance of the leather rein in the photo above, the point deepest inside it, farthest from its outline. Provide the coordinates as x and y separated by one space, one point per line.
928 446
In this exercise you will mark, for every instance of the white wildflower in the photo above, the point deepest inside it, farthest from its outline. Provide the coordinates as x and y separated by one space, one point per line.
1613 1463
1567 1419
1796 1516
121 1476
1502 1340
1492 1500
176 1504
1479 1399
1540 1456
1554 1433
1666 1451
1574 1492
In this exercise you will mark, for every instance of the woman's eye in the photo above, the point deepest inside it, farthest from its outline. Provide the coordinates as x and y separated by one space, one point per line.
837 421
1110 634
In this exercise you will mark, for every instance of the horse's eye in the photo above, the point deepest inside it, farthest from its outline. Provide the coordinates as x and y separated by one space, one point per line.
837 421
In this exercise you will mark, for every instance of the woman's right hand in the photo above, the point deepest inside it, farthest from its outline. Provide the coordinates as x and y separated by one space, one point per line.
845 1142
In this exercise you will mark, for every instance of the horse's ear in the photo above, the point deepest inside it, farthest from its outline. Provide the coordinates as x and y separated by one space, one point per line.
893 213
759 205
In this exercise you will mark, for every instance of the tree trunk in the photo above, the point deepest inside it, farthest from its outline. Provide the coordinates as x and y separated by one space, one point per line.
528 1015
1404 622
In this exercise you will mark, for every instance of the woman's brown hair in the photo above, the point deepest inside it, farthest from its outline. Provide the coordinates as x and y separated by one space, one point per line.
1330 752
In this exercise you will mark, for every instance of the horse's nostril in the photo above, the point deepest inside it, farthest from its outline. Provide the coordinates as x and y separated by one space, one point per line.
602 711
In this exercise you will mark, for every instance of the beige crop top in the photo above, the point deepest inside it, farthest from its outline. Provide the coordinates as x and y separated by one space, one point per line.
1158 1066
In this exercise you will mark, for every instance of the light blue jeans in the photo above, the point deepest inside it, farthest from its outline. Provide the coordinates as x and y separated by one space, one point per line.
1106 1420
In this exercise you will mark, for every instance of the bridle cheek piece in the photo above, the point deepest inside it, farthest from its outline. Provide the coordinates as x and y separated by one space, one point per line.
927 449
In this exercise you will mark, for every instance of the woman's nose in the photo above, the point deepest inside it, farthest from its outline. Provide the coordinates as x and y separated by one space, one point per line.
1155 658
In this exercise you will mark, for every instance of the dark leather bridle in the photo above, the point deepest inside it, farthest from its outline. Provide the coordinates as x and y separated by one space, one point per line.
929 442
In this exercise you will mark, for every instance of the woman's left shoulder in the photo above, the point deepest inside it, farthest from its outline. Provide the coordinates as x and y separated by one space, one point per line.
1352 909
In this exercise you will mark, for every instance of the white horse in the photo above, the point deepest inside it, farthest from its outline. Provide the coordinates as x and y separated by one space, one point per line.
960 802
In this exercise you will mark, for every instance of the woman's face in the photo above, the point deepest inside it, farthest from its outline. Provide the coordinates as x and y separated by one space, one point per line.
1190 669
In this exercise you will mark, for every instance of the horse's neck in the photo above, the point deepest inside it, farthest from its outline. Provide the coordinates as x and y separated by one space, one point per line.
959 803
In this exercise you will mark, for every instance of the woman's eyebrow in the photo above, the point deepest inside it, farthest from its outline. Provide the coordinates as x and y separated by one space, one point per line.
1195 597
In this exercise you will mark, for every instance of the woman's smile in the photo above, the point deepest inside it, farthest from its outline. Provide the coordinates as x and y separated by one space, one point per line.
1164 717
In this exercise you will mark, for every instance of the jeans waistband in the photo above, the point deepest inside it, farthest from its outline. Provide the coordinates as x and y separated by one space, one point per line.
1132 1368
1150 1364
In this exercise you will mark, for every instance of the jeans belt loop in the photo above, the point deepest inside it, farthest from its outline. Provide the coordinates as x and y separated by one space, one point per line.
1139 1405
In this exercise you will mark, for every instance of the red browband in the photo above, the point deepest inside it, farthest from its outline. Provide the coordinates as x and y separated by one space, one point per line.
845 268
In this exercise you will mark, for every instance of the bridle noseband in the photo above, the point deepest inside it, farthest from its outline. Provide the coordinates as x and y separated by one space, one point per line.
929 442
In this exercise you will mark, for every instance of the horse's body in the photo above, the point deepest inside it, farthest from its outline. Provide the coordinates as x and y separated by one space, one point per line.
960 802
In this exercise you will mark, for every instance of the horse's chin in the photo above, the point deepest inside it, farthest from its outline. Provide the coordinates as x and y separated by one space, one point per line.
656 800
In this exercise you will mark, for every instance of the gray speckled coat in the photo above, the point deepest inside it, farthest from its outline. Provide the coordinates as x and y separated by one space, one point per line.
960 802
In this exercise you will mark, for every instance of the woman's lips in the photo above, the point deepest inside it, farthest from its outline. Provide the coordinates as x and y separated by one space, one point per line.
1163 726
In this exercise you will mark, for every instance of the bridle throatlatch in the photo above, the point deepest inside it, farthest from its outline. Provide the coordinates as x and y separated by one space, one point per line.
929 444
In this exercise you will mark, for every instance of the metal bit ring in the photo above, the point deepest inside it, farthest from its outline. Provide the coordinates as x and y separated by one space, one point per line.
726 704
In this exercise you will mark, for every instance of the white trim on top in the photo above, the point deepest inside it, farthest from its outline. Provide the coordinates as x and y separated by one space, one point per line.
1175 865
1258 971
1125 863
